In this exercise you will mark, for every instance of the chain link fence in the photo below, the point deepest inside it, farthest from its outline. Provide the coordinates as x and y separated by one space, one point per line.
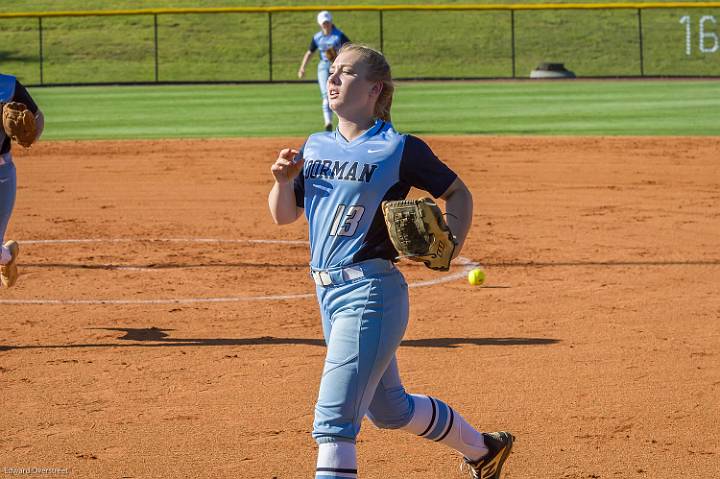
421 42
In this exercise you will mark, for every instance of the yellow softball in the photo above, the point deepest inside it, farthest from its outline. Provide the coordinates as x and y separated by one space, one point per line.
476 277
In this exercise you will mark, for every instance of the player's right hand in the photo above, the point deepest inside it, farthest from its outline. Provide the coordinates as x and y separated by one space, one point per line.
301 73
287 166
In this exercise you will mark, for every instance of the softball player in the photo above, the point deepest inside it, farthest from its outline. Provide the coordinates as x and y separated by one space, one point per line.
328 40
339 180
11 90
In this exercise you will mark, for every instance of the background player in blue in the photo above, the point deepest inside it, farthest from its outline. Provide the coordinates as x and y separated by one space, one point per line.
339 179
11 90
328 40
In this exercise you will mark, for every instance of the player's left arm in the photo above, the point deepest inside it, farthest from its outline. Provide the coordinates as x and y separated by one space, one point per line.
421 168
23 96
458 211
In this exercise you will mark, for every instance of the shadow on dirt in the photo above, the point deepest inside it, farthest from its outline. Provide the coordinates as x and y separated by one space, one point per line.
487 264
156 337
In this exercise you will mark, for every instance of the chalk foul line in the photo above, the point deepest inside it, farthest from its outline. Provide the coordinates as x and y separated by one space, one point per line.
464 263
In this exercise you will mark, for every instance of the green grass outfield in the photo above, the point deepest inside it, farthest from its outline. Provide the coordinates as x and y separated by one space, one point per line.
70 5
566 107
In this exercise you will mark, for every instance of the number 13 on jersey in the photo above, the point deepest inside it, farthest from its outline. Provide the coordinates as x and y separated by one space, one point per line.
346 220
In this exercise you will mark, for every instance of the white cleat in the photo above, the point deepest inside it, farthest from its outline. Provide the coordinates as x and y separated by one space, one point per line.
9 272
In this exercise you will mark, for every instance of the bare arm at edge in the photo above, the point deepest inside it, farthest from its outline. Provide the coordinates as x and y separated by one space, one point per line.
301 70
281 199
39 124
459 211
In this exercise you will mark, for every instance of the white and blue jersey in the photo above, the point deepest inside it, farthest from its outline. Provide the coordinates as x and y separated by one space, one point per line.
10 90
344 183
364 302
7 87
323 42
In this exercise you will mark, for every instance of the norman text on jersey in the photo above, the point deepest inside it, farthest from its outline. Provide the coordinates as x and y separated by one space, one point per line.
340 170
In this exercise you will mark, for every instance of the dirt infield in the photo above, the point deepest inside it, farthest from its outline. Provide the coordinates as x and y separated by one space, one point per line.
150 352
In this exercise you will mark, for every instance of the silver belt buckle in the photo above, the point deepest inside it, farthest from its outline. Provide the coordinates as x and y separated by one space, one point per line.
352 272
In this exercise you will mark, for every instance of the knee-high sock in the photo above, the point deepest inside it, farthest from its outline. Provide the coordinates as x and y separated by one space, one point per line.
435 420
336 460
327 112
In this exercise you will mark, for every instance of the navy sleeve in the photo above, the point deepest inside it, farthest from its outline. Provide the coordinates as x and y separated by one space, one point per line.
299 184
344 39
313 46
420 168
21 95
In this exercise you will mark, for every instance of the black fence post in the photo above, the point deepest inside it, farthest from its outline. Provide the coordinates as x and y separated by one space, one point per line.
640 38
382 40
512 39
270 59
157 62
40 31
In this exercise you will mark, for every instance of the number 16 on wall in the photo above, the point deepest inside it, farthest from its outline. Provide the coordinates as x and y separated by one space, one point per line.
704 37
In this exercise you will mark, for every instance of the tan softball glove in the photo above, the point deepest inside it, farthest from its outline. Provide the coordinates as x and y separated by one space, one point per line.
19 123
419 232
331 54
